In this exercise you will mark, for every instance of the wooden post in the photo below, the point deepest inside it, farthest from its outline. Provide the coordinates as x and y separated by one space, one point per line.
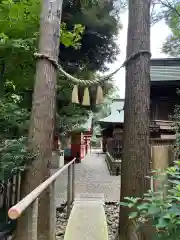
18 187
160 159
69 190
11 192
73 181
32 213
52 235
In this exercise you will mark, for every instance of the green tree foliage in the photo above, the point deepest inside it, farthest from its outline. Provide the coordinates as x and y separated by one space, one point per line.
162 210
170 11
13 119
171 45
13 150
14 156
98 46
90 43
19 24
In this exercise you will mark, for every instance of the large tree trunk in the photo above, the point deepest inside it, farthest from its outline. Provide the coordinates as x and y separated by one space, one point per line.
136 159
42 117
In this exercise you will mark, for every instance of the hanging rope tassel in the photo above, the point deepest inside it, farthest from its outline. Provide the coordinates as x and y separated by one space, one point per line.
99 95
86 98
75 98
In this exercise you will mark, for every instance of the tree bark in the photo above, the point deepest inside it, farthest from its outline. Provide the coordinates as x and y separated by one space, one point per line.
136 156
42 117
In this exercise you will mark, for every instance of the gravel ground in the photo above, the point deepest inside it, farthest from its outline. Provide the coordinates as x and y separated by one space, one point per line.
91 176
112 213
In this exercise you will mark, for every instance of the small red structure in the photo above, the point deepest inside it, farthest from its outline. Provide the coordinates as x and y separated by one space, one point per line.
56 141
87 140
77 145
80 140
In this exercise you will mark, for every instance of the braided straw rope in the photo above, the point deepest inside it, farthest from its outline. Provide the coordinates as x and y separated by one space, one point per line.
82 82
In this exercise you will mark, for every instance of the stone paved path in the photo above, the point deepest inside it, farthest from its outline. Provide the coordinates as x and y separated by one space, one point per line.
91 176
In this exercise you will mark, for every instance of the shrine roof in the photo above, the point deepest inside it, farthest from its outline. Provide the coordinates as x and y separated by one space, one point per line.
85 127
88 124
161 70
117 112
165 69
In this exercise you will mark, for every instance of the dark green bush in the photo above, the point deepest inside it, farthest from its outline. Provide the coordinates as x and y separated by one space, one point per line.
14 156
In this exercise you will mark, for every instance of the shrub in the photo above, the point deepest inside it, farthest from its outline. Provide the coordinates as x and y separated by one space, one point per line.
14 157
162 209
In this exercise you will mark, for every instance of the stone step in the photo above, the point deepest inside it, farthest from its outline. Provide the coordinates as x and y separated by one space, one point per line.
87 220
89 197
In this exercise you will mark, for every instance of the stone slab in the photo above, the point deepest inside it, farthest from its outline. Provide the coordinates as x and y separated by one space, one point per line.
87 220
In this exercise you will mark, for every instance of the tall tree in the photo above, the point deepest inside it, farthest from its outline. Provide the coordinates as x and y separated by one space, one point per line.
19 22
136 158
42 118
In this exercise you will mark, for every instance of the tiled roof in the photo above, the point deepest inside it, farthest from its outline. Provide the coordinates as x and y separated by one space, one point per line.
115 117
85 126
162 69
165 69
165 73
88 124
117 112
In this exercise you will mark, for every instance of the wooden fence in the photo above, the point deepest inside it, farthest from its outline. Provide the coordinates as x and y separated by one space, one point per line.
32 200
9 195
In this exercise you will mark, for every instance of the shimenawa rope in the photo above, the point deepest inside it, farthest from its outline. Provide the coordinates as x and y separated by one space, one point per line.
75 80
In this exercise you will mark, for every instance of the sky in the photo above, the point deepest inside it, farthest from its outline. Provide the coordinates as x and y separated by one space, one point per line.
159 32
